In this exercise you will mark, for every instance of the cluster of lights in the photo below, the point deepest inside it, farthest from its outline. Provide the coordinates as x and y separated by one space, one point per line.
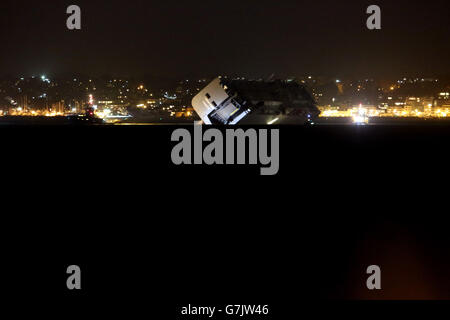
360 117
21 112
45 79
362 114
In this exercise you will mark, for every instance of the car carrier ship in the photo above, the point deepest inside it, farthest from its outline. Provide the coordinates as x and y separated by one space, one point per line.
247 102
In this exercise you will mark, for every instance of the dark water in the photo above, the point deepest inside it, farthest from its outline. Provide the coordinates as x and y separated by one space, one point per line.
149 233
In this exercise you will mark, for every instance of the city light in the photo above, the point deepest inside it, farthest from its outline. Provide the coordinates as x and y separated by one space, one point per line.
355 101
273 121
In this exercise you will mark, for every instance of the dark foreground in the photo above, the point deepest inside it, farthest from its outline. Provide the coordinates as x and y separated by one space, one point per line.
151 237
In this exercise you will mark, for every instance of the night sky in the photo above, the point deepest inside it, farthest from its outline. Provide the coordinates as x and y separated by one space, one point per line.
246 37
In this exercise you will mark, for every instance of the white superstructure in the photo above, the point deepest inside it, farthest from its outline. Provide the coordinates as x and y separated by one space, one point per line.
215 104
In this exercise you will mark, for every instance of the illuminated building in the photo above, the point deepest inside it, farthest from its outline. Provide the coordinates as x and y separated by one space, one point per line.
23 102
57 108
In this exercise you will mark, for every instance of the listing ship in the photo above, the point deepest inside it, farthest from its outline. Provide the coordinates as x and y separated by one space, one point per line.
229 102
